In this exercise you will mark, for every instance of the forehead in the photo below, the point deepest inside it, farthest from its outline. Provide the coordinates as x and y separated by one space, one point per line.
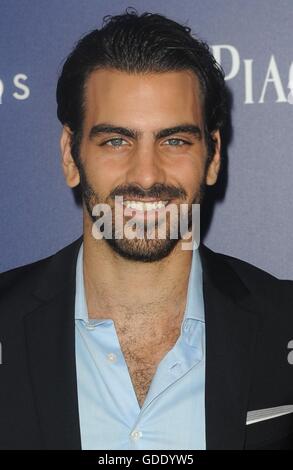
153 98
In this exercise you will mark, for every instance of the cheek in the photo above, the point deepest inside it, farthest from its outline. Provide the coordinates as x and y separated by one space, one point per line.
190 173
102 175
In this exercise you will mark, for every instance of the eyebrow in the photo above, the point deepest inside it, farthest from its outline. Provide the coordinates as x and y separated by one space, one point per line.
106 128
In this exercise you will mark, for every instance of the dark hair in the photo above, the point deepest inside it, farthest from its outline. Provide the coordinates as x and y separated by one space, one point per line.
140 44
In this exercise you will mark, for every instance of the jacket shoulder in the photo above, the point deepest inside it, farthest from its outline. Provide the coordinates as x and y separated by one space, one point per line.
27 276
273 293
23 288
250 274
231 273
21 278
263 293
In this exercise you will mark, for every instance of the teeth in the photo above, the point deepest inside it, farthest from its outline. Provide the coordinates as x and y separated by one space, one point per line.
145 206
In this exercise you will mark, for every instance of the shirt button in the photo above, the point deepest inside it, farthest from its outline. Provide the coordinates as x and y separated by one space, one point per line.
112 357
136 435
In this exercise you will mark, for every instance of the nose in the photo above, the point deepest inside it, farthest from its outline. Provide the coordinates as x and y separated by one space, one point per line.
145 169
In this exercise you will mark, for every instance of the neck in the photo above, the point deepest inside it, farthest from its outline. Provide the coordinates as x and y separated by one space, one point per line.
131 292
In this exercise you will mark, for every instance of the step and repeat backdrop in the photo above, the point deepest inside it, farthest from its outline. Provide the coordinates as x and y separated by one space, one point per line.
252 217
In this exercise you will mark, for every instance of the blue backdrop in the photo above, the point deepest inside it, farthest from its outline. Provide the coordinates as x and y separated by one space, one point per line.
252 220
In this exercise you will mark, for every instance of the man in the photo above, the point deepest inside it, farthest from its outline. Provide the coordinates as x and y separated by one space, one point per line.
138 343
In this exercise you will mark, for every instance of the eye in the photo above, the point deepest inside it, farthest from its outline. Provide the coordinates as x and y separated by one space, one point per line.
176 141
116 141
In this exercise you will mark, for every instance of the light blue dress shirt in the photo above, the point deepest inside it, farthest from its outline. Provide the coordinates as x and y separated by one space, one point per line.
173 414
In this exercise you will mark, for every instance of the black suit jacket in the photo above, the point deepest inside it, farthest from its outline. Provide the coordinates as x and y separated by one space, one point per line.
249 323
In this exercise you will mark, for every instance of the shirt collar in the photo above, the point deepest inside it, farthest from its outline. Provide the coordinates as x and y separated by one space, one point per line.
81 311
194 305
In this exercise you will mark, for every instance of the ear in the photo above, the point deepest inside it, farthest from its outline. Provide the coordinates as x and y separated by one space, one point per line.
215 164
70 169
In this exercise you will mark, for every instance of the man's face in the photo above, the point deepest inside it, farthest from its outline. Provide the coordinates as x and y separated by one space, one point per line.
141 161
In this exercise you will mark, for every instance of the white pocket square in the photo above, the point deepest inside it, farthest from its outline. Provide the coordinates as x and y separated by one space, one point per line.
268 413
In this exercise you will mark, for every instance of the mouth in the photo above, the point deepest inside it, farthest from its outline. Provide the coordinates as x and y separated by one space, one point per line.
145 205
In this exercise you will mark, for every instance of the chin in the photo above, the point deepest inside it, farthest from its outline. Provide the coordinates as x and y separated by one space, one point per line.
146 251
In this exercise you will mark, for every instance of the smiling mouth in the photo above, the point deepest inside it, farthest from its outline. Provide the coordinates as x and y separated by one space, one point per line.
149 205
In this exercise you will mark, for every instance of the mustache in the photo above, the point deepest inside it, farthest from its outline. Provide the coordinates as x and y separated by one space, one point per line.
158 191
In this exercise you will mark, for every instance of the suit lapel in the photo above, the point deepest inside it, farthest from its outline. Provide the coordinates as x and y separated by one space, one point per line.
50 334
231 329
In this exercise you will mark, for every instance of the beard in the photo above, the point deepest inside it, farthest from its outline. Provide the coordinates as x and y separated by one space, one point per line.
144 249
